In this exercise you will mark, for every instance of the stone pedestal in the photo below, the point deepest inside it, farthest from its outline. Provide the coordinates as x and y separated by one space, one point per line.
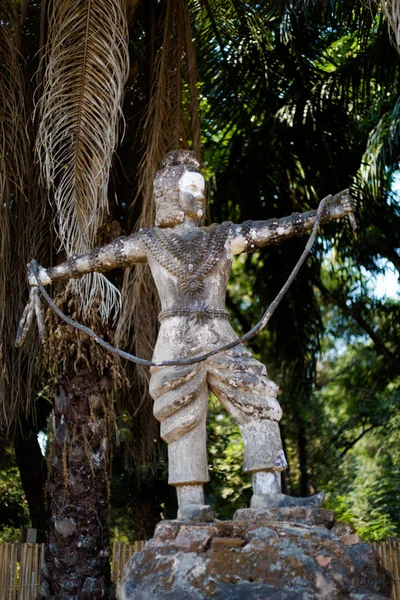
281 553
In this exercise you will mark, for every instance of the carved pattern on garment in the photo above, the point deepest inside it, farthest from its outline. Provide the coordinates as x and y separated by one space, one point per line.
199 314
189 256
242 385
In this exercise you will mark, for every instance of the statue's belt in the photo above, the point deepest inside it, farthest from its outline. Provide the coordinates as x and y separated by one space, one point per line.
199 315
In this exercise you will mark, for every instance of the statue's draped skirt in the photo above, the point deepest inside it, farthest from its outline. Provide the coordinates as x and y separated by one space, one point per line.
242 385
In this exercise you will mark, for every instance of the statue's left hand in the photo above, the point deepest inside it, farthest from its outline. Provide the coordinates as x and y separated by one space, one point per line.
341 205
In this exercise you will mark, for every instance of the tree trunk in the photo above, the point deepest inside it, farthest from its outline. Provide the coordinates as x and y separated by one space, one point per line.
78 554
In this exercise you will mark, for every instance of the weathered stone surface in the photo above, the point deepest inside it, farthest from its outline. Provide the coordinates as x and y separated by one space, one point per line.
253 560
301 515
221 543
196 513
341 528
350 540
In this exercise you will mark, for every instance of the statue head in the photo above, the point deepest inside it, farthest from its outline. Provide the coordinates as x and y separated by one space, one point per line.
178 189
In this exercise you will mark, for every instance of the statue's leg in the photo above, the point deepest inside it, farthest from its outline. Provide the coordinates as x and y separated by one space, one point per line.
241 384
180 404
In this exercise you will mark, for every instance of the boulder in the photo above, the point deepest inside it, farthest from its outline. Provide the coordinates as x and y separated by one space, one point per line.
276 553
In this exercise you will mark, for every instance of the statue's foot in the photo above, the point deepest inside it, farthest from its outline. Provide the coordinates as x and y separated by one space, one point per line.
198 513
281 500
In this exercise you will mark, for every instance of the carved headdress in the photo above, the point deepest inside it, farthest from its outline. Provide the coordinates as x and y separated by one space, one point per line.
166 188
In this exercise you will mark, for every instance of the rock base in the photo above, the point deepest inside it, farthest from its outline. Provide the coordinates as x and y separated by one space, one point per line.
280 553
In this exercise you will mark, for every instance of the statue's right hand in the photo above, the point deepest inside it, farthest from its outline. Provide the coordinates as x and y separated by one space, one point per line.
33 307
25 323
341 205
42 273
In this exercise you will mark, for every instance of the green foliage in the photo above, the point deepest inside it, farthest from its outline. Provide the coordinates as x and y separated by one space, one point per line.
228 489
357 399
370 498
14 512
307 111
121 529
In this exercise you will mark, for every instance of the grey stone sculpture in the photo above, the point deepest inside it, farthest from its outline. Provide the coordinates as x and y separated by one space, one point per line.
190 265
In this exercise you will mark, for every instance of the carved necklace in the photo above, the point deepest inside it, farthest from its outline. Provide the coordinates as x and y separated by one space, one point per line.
189 256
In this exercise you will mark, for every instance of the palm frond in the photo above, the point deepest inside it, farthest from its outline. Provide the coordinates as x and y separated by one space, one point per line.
21 224
13 157
353 15
13 139
79 111
24 234
171 121
349 13
382 149
391 10
232 40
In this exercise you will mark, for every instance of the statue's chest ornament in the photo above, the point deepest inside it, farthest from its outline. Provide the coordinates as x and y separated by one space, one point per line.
189 256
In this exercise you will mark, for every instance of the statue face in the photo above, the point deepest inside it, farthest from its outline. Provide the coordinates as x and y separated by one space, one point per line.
191 194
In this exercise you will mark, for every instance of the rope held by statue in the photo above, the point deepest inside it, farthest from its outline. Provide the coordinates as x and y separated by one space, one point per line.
34 306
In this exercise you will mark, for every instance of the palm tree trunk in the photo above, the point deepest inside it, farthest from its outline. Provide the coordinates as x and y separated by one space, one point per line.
78 554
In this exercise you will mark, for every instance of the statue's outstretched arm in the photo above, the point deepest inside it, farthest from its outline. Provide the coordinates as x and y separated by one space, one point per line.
122 252
252 235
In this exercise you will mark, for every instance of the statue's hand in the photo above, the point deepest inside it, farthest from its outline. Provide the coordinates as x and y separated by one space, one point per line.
32 308
341 205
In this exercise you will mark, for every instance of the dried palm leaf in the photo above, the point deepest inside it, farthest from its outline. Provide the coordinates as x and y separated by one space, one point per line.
12 162
21 223
87 65
171 122
172 119
391 10
13 139
24 233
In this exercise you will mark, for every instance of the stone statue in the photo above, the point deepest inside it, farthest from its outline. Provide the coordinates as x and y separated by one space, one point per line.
190 265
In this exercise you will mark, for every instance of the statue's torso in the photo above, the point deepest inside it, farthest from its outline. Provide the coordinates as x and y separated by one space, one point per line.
190 267
191 270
